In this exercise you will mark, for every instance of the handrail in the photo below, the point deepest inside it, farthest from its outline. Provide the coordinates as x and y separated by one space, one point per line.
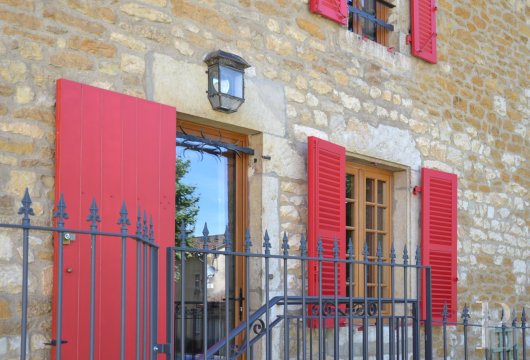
291 300
242 326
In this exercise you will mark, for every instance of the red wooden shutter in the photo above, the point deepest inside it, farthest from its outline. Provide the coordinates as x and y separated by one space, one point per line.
336 10
326 173
112 147
439 237
423 29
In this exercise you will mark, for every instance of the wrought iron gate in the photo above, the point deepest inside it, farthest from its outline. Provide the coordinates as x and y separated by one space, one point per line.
145 281
281 319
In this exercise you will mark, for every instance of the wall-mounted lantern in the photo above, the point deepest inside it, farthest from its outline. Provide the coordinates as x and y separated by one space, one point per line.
226 80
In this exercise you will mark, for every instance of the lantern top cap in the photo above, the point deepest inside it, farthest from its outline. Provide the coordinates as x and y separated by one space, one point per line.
226 58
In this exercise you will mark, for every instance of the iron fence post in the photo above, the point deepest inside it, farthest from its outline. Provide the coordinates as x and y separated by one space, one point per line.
248 245
205 234
93 218
428 320
285 247
138 280
303 253
392 301
351 258
153 289
416 328
321 341
183 245
515 356
405 347
124 222
267 247
523 331
365 295
147 349
228 249
335 298
26 211
60 215
170 303
445 313
503 334
465 318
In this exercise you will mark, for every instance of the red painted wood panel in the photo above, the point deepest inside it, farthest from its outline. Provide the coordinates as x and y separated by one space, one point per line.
326 178
336 10
111 147
439 240
423 29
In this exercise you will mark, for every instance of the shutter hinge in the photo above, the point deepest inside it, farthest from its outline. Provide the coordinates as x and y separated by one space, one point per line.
408 40
416 190
53 342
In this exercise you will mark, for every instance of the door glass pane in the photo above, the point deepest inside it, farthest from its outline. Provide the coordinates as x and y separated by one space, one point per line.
205 195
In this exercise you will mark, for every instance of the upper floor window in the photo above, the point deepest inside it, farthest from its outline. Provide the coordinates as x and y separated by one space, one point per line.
369 18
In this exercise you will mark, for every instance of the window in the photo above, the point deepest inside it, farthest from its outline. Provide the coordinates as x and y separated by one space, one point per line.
368 220
368 18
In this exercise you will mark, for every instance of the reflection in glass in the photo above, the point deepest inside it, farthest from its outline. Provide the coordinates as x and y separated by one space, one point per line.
210 175
233 80
369 27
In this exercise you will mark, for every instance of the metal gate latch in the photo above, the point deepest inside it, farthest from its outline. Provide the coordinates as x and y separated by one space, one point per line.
67 238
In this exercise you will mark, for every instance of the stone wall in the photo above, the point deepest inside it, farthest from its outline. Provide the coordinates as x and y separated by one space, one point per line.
468 114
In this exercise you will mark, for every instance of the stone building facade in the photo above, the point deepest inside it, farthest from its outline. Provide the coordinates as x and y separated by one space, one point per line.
468 114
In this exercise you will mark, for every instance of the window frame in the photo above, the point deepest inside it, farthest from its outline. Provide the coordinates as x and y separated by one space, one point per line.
382 13
361 173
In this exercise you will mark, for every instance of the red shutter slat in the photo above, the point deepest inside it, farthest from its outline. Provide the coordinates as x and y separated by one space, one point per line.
112 147
326 217
336 10
423 29
439 240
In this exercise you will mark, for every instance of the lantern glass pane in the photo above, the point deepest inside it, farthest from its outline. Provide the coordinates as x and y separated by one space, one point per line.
231 82
213 79
230 104
215 101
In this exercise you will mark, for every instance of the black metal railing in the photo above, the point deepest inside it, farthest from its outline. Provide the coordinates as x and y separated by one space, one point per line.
284 321
273 316
144 281
505 340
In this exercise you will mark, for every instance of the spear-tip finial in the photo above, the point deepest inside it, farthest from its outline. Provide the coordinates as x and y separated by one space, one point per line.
94 217
285 244
248 243
303 245
124 218
26 208
267 243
